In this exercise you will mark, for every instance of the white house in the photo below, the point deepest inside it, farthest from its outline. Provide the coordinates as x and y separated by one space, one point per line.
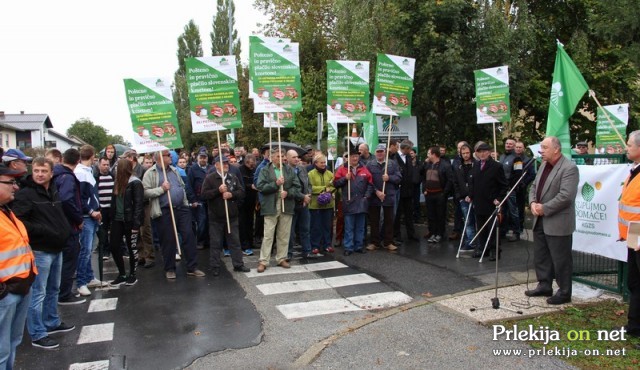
25 131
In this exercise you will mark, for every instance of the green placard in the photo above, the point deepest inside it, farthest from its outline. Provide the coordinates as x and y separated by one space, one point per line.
280 119
492 95
332 141
274 72
213 93
153 114
347 91
393 89
606 138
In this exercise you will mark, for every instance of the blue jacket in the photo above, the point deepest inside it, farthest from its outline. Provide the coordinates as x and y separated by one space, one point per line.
377 170
88 189
69 193
195 179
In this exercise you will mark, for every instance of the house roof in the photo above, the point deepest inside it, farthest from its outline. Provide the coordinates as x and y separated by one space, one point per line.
70 139
25 122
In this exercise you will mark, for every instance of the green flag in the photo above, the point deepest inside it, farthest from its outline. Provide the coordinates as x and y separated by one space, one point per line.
371 131
567 89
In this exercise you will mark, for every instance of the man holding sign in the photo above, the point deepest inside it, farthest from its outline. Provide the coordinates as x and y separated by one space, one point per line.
158 189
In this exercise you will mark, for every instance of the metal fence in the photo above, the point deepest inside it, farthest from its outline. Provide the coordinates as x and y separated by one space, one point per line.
592 269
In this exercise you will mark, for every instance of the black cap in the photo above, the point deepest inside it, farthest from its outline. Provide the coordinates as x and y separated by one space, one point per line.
224 159
483 146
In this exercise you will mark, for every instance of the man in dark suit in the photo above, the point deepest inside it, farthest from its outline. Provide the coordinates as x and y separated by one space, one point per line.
552 200
487 188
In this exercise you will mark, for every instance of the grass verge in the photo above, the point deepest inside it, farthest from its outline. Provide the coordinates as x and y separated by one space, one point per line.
586 323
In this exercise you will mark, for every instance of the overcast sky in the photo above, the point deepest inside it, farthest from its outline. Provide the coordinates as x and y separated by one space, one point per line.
68 58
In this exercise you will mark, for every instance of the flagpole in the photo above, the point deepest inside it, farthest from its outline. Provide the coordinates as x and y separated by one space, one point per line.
592 94
495 145
173 216
348 164
386 160
226 206
281 169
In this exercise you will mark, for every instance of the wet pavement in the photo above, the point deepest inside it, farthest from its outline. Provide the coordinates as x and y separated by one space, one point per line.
155 324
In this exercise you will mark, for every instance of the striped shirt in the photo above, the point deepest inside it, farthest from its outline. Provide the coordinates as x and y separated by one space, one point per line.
105 189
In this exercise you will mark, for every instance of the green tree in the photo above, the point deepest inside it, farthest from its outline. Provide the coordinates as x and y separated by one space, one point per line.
220 30
89 132
189 46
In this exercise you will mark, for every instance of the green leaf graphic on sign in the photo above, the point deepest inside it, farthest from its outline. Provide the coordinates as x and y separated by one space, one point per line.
588 192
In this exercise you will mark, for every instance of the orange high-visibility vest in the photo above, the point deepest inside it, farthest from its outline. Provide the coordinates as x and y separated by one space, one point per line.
16 257
629 206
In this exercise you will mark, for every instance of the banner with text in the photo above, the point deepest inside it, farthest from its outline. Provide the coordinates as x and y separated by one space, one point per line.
153 114
605 134
492 95
347 91
393 88
597 210
282 120
213 93
274 74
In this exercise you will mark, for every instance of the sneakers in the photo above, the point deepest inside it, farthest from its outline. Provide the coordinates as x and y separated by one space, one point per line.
329 250
46 343
170 275
119 281
95 283
195 272
71 301
62 328
242 268
434 239
391 247
131 280
227 253
371 247
248 252
84 291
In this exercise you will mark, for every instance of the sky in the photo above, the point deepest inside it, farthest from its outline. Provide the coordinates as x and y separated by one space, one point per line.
68 58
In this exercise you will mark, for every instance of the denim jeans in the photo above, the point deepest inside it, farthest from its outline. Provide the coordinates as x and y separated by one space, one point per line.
300 226
13 313
321 223
69 266
470 231
354 232
43 310
85 272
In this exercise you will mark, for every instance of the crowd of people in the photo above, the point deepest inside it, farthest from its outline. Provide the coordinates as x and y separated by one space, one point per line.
232 202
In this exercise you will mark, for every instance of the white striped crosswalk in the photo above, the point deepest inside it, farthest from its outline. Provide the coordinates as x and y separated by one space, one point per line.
297 310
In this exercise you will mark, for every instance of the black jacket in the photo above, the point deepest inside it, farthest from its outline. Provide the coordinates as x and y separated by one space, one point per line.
41 212
462 178
444 172
406 170
486 185
133 204
215 201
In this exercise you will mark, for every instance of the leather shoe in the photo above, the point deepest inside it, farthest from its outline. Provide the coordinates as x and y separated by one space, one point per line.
558 299
284 264
261 267
242 268
539 292
454 236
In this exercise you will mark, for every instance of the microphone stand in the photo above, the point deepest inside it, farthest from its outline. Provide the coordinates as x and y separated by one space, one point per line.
495 301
